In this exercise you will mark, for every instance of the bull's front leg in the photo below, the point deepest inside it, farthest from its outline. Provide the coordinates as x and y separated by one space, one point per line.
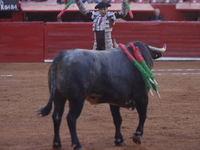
118 140
141 107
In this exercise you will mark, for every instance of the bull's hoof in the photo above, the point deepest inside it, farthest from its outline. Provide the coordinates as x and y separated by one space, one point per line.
77 147
57 145
40 111
81 148
137 137
119 142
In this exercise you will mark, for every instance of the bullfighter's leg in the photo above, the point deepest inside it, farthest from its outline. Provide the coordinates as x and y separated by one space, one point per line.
118 140
59 103
141 106
76 106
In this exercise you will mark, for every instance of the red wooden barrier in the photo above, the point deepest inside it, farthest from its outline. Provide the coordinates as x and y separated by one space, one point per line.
80 35
61 36
34 42
21 42
146 32
182 38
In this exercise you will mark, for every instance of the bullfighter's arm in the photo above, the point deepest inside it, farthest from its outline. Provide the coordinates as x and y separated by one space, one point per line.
123 11
82 9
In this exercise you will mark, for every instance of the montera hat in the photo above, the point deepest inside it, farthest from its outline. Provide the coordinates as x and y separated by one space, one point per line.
102 5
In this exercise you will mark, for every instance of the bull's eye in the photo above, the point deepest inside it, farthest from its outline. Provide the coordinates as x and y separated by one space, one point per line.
156 55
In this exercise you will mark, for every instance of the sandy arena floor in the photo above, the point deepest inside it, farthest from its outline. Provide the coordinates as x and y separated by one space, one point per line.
173 122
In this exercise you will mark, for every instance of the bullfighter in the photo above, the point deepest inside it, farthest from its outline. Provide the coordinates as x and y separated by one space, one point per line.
103 22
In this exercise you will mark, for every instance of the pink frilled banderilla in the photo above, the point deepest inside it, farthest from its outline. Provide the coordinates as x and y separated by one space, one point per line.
139 62
60 14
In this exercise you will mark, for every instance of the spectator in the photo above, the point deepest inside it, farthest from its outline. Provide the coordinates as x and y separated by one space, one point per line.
89 2
157 16
35 18
198 17
77 18
145 1
40 0
59 19
60 1
173 2
103 22
106 1
25 0
160 1
45 19
98 1
133 1
26 17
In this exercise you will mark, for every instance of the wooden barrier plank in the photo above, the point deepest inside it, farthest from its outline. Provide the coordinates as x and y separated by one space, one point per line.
45 36
182 38
185 45
35 41
67 36
80 35
178 54
21 42
146 32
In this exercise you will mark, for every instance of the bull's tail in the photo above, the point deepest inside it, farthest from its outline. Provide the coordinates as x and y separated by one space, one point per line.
44 111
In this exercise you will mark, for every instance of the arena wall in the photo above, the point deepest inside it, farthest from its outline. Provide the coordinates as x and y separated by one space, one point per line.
36 41
62 36
182 38
21 42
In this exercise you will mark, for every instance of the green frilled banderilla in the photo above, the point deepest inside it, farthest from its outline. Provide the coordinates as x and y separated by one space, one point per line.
146 73
140 60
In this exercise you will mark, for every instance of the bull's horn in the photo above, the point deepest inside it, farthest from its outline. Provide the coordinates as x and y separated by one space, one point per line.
159 50
115 43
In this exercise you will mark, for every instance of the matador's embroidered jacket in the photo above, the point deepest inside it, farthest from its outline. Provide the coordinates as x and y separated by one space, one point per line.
102 31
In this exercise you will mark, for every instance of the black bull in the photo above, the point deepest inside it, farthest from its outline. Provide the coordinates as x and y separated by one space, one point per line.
99 77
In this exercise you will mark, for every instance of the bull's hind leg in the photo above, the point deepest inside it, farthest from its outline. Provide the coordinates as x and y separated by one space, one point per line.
59 103
118 140
141 107
76 106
